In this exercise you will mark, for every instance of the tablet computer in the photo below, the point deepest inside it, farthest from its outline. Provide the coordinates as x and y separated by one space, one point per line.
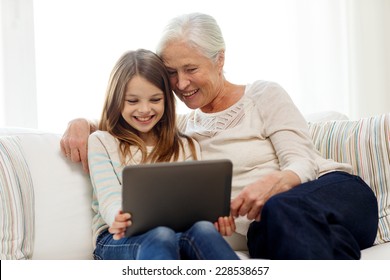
176 194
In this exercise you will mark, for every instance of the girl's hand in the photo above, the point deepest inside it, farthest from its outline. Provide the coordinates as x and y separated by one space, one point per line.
121 222
225 225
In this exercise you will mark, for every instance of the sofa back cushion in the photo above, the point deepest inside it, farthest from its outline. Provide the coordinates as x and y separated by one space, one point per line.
365 144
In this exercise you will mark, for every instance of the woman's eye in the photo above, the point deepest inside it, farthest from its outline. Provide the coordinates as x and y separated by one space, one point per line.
192 69
131 101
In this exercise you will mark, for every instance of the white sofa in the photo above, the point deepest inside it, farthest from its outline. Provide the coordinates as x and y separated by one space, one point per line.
45 205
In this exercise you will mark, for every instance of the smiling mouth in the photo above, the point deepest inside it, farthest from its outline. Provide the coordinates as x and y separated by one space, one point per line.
189 94
143 119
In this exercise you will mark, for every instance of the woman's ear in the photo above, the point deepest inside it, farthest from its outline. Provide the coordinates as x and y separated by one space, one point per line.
221 60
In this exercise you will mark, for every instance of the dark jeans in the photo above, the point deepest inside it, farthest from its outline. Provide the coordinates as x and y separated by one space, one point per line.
333 217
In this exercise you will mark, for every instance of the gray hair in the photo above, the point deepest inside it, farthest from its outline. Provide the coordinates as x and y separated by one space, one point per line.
198 30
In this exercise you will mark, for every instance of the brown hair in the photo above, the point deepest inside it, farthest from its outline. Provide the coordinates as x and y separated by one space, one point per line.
148 65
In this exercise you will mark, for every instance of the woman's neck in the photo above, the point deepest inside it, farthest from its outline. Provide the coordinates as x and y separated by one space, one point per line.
228 96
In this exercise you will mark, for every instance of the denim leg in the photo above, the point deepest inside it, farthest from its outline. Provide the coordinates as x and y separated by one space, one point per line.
333 217
203 242
157 244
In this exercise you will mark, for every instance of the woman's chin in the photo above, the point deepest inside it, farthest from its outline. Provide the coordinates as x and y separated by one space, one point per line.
191 105
192 102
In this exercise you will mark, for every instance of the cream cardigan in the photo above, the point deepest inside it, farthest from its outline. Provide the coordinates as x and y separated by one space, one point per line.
262 132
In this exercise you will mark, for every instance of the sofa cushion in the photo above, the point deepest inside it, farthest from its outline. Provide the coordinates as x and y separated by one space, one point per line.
377 252
63 197
16 202
365 144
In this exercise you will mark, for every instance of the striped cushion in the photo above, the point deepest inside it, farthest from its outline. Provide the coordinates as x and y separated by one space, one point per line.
16 202
365 144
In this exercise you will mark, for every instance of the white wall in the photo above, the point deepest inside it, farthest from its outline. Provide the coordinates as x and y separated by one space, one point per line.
2 97
328 54
369 49
18 105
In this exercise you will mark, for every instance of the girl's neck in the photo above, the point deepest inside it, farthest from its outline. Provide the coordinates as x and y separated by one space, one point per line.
149 140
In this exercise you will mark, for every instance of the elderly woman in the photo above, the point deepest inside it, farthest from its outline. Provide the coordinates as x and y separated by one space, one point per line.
288 201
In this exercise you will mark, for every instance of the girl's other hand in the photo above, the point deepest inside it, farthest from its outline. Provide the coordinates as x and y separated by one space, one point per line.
121 222
225 225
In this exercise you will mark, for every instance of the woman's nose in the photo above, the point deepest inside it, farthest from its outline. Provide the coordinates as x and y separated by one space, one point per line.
182 81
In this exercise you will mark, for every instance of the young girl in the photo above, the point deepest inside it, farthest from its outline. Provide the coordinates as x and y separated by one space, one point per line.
138 125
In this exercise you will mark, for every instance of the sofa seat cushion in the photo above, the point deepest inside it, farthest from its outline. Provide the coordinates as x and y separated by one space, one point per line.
365 144
377 252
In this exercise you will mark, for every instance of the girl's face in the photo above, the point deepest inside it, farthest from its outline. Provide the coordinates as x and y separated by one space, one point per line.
194 78
143 107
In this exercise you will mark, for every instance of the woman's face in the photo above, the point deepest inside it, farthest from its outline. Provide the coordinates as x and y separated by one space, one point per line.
194 78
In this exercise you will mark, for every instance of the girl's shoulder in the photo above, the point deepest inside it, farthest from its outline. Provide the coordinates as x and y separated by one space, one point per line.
102 138
182 119
101 134
186 141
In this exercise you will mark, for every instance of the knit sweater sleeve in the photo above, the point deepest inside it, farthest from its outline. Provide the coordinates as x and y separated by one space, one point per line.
105 175
287 130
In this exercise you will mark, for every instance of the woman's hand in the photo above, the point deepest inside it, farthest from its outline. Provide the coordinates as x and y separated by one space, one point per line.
251 199
121 222
225 225
74 141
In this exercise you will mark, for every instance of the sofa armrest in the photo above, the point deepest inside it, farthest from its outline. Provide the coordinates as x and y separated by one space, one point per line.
63 197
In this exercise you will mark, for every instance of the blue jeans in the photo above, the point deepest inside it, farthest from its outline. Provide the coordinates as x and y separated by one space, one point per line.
202 242
333 217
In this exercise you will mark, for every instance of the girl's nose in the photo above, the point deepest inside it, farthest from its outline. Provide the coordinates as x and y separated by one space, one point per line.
144 107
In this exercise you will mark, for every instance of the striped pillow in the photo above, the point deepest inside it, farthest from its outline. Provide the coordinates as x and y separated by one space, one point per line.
365 144
16 202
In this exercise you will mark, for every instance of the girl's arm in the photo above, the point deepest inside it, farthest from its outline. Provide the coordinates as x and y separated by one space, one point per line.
105 171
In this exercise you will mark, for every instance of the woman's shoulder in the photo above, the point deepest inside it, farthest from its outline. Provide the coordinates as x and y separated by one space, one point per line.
262 91
263 87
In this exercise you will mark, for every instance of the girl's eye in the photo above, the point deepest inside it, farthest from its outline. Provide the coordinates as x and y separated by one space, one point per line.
156 100
131 101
